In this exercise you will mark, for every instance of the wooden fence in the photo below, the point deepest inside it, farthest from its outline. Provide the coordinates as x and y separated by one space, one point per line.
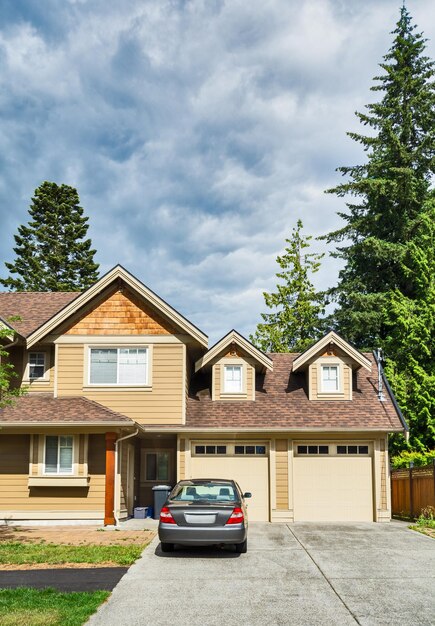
412 489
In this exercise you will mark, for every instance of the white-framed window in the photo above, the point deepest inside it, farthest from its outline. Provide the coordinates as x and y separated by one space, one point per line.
233 379
37 366
330 379
58 454
118 366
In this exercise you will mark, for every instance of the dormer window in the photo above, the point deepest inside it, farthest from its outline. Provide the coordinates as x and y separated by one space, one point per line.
37 368
329 378
233 379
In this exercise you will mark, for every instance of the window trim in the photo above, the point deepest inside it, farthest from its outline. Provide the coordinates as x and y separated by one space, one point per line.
233 362
231 446
147 386
323 366
40 379
73 451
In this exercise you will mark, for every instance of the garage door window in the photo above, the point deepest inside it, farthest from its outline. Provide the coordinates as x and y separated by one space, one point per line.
213 450
258 450
306 450
352 449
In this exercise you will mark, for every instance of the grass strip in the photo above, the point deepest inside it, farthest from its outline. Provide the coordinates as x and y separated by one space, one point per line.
47 607
18 553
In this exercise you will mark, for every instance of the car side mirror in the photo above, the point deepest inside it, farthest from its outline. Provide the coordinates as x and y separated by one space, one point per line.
248 494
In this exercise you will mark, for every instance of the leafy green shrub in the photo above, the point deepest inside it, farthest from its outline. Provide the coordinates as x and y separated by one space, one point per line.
427 517
418 458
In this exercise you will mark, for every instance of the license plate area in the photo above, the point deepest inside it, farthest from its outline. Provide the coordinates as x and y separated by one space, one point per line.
199 520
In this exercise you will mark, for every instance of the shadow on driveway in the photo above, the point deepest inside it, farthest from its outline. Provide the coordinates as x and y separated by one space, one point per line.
200 552
68 579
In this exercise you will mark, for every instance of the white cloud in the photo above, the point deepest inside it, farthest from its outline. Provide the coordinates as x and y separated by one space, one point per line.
197 132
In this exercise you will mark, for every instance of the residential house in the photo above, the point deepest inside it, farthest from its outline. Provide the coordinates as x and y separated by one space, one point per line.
124 394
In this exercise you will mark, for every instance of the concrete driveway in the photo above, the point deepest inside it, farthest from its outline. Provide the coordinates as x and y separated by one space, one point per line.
292 574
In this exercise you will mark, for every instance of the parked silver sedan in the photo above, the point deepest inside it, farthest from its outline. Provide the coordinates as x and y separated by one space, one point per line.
203 512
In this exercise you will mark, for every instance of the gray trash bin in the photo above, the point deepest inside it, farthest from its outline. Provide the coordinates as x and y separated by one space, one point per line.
160 494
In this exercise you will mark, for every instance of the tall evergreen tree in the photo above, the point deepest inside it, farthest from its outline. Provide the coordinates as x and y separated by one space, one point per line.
8 393
386 294
388 191
296 320
52 253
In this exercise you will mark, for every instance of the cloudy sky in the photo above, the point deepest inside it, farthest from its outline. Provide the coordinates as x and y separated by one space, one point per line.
197 132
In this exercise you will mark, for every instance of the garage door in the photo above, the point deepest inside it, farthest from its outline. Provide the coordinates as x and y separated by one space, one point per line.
333 483
247 464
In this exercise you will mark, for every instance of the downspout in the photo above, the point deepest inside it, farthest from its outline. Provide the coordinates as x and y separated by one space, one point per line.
392 396
116 498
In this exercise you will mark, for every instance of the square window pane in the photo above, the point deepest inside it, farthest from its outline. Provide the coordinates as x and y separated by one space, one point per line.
313 449
302 449
199 449
352 449
323 450
341 449
239 449
210 449
151 468
104 366
260 449
363 449
250 449
221 449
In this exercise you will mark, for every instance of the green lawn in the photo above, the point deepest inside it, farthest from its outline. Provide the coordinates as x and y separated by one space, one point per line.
18 553
47 607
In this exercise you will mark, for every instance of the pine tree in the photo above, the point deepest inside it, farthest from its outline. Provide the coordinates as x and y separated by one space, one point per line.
386 294
296 321
388 191
52 253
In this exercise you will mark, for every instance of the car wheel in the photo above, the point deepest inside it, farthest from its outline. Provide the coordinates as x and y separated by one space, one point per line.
241 548
167 547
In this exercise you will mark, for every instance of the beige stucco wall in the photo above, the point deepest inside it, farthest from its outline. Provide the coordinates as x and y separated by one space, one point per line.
162 403
18 501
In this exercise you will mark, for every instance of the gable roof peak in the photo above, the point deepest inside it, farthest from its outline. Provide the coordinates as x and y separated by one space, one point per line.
234 337
332 337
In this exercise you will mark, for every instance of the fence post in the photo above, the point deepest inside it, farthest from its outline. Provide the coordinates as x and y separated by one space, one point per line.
411 494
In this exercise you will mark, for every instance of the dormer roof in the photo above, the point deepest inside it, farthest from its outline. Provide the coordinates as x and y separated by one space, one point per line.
236 339
331 340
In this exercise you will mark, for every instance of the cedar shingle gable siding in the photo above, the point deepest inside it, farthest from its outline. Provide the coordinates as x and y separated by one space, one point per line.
281 401
34 308
121 313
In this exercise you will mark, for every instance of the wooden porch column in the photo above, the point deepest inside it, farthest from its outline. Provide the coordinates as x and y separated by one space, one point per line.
109 500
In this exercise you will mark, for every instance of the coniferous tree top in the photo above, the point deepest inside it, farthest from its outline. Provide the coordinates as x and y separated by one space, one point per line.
297 308
52 252
388 191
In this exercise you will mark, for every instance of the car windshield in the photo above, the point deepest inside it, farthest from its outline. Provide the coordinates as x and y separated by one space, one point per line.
211 492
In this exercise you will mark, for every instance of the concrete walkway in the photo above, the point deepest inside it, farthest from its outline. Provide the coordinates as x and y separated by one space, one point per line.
297 574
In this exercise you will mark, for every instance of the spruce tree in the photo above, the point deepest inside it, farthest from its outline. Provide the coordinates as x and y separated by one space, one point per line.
52 253
296 320
385 293
388 191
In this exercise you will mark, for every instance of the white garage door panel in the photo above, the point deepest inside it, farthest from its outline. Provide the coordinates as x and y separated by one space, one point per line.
252 474
333 489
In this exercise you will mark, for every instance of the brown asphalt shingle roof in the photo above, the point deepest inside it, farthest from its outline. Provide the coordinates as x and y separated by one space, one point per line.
281 401
43 408
34 307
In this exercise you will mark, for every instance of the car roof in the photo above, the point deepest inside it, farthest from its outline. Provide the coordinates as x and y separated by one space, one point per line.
200 481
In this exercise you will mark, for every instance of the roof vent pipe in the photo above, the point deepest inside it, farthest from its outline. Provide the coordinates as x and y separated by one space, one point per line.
381 396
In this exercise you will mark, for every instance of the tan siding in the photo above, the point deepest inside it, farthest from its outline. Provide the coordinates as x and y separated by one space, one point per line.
248 373
15 494
163 404
281 454
121 314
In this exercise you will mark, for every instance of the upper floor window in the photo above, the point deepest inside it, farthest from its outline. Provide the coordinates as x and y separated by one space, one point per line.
37 365
58 454
233 379
118 366
330 381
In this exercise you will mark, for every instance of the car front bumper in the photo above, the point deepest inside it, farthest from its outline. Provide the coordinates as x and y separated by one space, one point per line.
202 535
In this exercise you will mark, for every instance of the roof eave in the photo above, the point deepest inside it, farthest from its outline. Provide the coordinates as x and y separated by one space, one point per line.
357 356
